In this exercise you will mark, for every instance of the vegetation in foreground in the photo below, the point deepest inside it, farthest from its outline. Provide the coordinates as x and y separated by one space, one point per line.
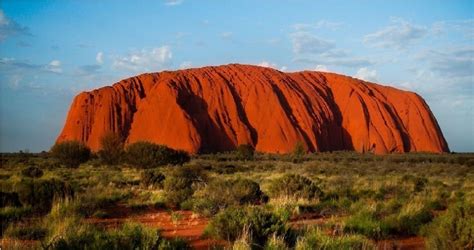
337 200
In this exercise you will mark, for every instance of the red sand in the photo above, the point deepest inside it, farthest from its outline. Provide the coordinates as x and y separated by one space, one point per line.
218 108
188 226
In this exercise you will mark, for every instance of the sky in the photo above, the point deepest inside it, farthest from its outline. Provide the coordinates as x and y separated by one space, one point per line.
52 50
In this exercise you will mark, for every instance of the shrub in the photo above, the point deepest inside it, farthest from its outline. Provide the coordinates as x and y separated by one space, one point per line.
317 239
410 224
111 152
92 203
298 152
452 230
205 206
129 236
32 172
40 194
71 153
276 243
179 185
230 223
226 193
367 224
419 183
153 178
245 152
296 186
150 155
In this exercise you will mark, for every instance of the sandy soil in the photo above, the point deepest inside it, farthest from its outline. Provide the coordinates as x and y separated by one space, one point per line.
190 226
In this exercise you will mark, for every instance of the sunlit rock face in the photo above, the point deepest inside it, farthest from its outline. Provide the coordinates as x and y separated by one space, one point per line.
213 109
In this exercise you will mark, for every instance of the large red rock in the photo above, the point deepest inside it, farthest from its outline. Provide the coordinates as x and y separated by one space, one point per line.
218 108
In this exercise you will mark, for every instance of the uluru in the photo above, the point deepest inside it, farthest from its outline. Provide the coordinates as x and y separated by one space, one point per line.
217 108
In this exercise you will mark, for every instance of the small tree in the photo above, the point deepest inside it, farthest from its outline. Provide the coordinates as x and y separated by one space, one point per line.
298 152
245 152
71 153
111 149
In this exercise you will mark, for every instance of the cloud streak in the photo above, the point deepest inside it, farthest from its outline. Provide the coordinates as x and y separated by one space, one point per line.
10 28
399 35
144 60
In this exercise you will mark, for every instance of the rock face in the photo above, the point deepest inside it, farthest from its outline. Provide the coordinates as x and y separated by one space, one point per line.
218 108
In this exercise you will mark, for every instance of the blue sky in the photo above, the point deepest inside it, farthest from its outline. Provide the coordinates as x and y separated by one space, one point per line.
52 50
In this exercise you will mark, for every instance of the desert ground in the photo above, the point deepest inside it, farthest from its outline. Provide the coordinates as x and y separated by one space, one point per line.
238 200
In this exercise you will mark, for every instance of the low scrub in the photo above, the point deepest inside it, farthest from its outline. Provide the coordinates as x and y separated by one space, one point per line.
220 194
453 229
317 239
129 236
245 152
231 223
40 193
366 223
181 183
152 178
32 172
9 215
296 186
150 155
71 153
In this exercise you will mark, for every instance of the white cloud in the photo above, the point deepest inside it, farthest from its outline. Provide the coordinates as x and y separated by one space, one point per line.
311 50
399 35
306 43
185 65
366 74
145 60
226 35
465 27
457 62
99 58
54 66
267 65
321 24
10 28
173 2
283 68
321 68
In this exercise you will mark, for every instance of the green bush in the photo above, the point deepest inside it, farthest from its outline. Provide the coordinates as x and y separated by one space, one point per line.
90 204
223 193
367 224
152 178
180 184
32 172
296 186
111 151
129 236
317 239
245 152
410 224
40 193
205 206
230 223
453 229
150 155
71 153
